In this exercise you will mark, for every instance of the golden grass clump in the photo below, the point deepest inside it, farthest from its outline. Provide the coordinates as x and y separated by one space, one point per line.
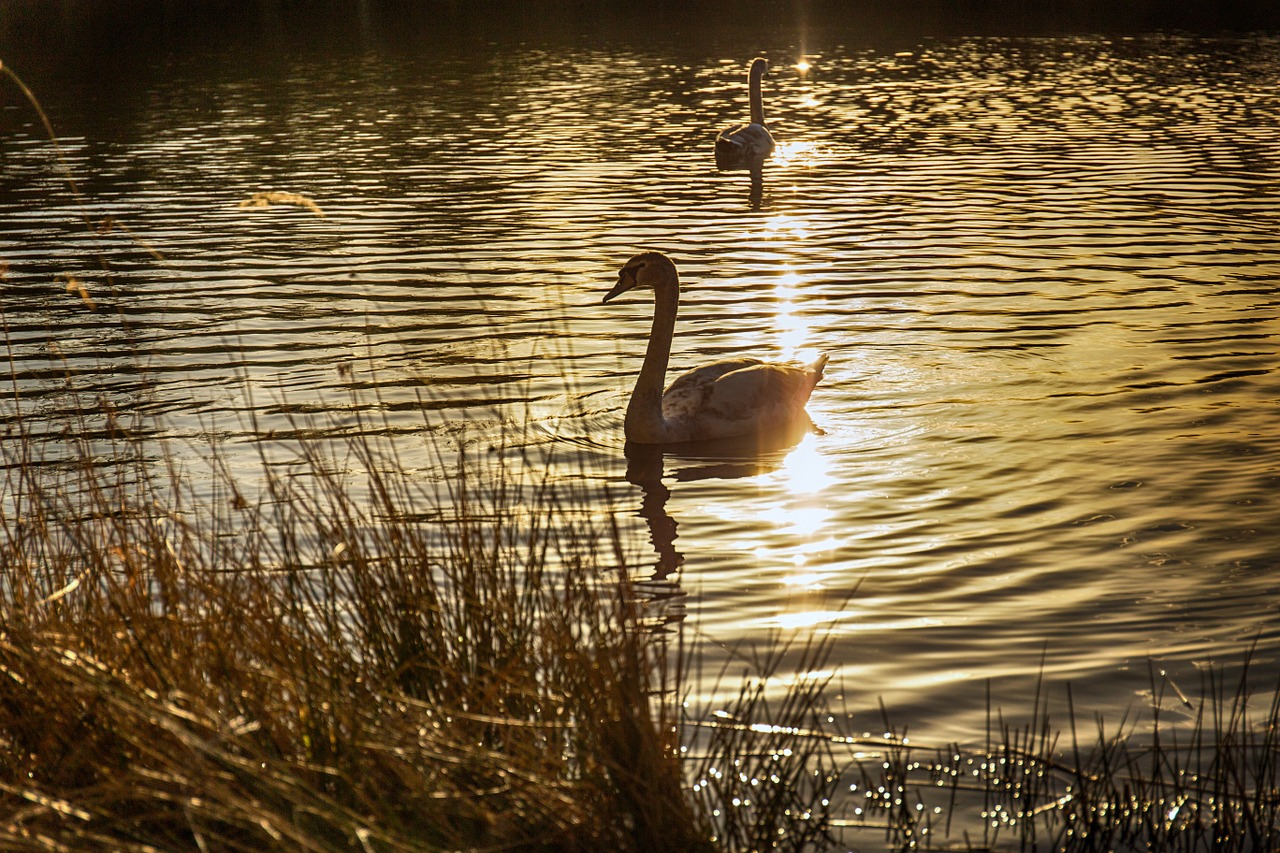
306 672
309 662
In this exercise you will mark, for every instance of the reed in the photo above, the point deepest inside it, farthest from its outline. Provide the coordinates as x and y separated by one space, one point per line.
350 660
304 671
1206 781
319 659
339 656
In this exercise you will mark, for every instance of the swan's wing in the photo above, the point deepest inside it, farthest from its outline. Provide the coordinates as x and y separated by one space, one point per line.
689 392
764 391
730 135
753 397
745 140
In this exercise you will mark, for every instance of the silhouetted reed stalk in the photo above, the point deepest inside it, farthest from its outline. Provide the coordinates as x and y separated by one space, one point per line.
1207 783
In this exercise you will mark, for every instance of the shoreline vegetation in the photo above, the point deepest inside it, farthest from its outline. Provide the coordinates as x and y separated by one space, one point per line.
355 660
310 670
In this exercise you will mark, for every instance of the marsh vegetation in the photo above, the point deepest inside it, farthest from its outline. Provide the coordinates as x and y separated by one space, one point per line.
297 669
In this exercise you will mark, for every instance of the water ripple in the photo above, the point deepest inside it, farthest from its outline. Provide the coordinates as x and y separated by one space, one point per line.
1044 271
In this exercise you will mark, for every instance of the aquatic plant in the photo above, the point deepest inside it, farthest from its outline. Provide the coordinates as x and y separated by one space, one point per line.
325 656
1206 781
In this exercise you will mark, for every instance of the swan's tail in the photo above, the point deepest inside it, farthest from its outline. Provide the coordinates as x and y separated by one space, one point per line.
815 368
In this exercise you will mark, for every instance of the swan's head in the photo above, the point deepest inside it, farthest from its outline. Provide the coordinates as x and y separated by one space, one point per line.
647 269
759 67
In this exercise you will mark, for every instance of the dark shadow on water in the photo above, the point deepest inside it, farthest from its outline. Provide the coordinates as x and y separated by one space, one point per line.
754 167
644 469
756 196
724 459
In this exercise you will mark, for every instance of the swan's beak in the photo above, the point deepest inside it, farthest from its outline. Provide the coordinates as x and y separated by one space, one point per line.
624 284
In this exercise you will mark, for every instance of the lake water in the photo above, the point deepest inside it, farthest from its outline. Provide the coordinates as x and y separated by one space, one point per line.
1046 272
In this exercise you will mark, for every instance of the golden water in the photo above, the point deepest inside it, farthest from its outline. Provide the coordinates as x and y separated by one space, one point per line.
1046 272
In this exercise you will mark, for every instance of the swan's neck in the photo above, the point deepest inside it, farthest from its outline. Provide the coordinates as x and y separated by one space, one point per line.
756 97
644 413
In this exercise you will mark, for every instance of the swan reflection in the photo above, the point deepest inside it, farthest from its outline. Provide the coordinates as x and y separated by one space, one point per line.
792 530
784 154
755 198
755 170
649 466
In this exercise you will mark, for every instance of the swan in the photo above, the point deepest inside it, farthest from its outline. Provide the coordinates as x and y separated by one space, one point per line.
748 143
724 399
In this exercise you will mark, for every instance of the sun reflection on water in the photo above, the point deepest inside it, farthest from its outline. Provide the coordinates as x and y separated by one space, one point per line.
804 580
799 152
797 521
786 225
809 618
793 327
801 538
806 471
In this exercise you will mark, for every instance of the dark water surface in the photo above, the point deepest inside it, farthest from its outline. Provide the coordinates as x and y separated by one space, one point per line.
1046 271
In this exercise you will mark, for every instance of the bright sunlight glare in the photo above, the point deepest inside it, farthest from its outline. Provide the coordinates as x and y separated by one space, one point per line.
786 225
805 470
808 619
800 152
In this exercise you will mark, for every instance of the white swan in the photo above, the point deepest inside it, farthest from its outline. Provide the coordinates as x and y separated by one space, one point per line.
748 143
734 397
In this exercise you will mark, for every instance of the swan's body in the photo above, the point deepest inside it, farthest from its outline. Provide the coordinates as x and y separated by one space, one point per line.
724 399
747 144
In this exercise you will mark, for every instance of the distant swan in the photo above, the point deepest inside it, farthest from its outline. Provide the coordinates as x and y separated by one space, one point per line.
747 143
734 397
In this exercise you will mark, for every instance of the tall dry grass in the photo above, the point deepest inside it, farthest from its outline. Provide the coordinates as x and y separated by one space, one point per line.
312 661
306 671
